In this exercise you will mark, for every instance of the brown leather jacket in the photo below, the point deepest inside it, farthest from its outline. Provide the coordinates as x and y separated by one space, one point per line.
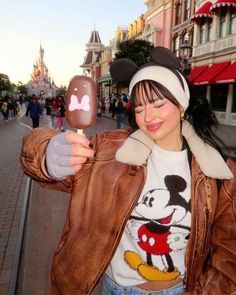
104 193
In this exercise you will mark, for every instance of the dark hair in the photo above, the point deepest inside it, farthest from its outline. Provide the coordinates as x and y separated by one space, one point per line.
203 119
150 87
198 113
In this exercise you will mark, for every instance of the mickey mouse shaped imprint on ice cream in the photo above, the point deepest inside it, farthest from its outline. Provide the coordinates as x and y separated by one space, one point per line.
81 103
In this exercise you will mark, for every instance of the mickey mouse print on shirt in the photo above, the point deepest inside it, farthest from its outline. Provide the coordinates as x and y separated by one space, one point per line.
158 225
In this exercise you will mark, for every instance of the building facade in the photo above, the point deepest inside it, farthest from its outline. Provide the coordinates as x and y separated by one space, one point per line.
207 28
214 56
182 27
106 85
158 22
134 30
94 48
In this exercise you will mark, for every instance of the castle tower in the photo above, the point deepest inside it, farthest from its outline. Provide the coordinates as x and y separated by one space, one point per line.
41 62
94 49
41 81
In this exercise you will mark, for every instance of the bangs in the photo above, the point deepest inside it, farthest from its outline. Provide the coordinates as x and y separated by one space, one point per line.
148 91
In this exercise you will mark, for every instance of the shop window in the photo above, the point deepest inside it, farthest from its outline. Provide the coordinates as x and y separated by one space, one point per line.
202 31
219 93
234 100
149 38
222 23
177 13
232 22
177 46
200 91
186 38
186 9
209 31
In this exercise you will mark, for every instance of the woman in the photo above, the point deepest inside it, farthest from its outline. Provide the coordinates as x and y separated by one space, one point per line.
120 112
147 215
58 107
35 111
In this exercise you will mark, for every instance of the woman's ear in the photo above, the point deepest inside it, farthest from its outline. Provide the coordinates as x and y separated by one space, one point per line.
123 69
181 113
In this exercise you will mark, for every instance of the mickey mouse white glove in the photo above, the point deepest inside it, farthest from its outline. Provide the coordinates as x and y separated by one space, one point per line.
66 153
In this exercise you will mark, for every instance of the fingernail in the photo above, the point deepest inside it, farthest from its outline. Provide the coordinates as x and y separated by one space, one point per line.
90 145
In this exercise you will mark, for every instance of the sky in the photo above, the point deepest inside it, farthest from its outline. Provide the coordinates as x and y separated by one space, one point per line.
63 27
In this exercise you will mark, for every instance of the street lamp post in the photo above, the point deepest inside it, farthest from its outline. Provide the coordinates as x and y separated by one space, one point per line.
185 55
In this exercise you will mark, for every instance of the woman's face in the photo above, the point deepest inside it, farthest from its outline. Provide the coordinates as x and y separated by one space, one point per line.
161 121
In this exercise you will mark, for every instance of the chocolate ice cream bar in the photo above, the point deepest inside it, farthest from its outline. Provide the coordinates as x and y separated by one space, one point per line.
81 102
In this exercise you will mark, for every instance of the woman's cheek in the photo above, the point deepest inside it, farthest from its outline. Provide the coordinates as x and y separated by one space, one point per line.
139 120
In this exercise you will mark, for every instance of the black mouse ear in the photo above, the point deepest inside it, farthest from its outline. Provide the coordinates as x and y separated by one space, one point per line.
165 57
123 69
175 183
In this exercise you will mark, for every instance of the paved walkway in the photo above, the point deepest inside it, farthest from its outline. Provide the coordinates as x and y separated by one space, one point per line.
12 187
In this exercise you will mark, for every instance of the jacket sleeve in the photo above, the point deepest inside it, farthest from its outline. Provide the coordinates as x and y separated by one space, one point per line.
32 159
220 277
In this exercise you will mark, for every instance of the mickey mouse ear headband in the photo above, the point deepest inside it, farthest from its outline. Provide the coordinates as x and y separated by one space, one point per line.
163 68
123 69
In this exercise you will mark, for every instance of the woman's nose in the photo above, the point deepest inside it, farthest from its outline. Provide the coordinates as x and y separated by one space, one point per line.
149 113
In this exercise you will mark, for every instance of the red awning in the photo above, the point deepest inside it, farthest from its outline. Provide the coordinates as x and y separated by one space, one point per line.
228 75
203 11
195 72
222 3
208 76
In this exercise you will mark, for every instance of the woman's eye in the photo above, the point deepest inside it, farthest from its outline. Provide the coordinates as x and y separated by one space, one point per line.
159 105
139 110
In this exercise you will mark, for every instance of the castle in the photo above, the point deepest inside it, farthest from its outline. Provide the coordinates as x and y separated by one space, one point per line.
41 82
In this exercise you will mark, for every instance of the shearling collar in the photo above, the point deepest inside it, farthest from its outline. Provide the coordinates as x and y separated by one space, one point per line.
138 146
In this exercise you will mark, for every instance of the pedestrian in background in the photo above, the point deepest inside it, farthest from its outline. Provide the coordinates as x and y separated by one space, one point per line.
41 101
99 107
59 108
11 108
120 111
152 212
35 111
5 109
48 106
112 108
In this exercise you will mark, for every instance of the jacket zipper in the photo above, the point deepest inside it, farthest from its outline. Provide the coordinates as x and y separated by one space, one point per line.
122 227
208 211
190 259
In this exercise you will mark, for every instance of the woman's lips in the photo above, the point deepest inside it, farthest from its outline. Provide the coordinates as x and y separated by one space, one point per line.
154 126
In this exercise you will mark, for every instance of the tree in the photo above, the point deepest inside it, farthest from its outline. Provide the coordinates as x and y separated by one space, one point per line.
5 83
62 91
137 50
21 88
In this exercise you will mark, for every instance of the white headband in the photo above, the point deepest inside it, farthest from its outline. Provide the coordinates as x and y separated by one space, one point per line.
165 77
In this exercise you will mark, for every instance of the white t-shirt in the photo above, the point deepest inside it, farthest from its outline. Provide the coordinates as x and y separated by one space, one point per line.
153 244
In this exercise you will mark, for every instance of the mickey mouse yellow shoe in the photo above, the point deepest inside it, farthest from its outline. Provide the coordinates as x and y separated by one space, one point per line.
152 273
132 259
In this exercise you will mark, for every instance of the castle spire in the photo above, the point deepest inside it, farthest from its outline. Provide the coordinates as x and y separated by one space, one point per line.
40 78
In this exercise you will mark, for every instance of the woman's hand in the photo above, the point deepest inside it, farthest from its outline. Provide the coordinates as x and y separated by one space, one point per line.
66 153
